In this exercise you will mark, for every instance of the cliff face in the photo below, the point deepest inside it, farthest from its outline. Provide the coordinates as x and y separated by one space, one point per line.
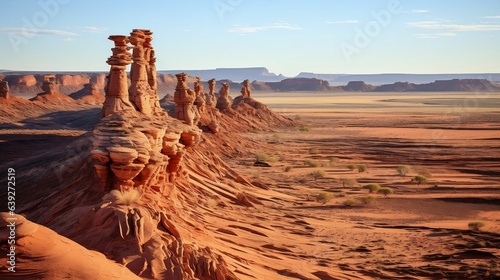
28 85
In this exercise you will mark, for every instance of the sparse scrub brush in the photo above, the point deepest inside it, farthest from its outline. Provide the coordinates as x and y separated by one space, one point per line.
311 163
367 199
475 226
287 168
372 187
420 179
349 202
304 128
361 167
385 191
313 150
348 182
318 174
351 166
424 172
403 169
324 197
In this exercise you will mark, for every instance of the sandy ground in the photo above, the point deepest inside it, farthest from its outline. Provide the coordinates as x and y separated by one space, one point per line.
418 232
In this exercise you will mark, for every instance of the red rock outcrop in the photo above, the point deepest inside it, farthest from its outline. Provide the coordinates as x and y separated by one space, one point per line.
138 155
4 89
184 102
223 101
51 93
90 94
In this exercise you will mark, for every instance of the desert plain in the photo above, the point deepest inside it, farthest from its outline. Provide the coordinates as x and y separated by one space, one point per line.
287 223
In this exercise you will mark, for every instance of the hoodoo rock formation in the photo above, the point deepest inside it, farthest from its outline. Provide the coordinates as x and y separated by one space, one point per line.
211 101
4 89
184 99
223 101
51 93
137 151
200 95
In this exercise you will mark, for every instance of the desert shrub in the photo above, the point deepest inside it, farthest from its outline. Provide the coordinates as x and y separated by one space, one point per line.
287 168
403 169
385 191
125 197
367 199
259 156
304 128
318 174
361 167
372 187
420 179
311 163
275 138
350 202
351 166
332 161
324 197
424 172
475 225
348 182
313 150
266 157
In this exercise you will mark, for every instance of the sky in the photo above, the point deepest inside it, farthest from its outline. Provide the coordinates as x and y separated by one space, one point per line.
286 36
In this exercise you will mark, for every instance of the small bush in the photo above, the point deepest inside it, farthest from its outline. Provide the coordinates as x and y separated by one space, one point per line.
287 168
361 167
261 156
125 197
367 199
304 128
351 166
318 174
275 138
311 163
420 179
424 172
332 161
324 197
403 169
349 202
475 226
266 157
372 187
313 150
385 191
348 182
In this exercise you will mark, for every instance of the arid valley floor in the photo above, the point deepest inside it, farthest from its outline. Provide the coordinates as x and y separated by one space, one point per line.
280 230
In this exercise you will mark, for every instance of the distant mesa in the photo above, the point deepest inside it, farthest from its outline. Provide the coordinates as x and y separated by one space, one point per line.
358 86
300 84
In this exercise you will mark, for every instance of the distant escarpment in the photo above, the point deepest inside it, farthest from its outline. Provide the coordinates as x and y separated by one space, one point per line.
442 85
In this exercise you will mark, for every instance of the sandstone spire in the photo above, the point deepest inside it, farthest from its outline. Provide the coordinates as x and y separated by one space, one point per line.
4 89
200 95
117 97
223 101
210 96
50 84
184 99
245 89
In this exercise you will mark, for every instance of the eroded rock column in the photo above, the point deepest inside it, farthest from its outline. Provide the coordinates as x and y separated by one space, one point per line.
117 97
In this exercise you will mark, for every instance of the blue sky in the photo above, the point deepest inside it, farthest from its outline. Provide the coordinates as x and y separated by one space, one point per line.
286 36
